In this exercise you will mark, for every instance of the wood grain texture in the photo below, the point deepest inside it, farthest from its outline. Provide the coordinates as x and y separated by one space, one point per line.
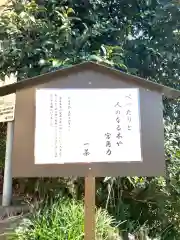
90 214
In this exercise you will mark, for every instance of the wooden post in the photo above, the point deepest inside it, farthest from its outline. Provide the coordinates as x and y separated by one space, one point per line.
90 218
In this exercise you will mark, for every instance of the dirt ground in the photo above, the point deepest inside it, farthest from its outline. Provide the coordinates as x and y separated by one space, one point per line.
11 216
8 225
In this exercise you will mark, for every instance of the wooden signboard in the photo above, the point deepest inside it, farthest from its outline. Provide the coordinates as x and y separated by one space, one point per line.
89 121
80 115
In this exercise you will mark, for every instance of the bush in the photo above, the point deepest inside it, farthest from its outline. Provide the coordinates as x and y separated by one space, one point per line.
63 220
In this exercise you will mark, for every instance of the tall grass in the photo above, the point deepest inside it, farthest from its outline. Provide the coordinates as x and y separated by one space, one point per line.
63 220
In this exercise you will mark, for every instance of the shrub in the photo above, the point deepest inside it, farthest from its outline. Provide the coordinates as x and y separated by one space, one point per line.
63 220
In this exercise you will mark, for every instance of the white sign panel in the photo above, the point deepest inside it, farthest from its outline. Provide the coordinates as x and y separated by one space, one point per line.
7 103
87 125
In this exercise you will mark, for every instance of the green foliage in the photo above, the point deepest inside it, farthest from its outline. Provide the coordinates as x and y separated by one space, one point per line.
64 219
141 37
3 127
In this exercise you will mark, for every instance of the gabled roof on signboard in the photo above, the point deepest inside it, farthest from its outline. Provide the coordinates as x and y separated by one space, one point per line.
11 88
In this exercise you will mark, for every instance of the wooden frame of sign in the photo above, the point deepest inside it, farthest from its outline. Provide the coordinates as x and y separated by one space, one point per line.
123 135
